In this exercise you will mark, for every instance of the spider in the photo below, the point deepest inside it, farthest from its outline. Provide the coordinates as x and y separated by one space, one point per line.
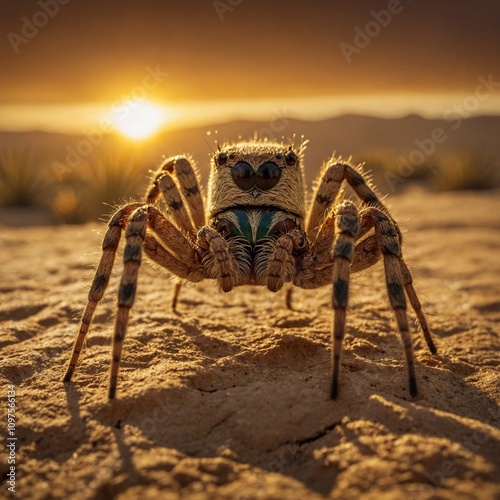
257 231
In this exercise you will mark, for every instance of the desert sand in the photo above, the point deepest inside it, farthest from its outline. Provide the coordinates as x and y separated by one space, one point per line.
229 398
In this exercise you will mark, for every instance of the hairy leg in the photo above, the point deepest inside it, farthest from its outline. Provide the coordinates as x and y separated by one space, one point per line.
136 218
388 238
181 190
333 174
175 296
132 256
171 237
219 261
417 307
366 254
101 279
188 268
347 227
179 183
281 267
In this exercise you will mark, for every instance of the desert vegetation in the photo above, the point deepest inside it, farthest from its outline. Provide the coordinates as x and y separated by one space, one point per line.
105 180
35 175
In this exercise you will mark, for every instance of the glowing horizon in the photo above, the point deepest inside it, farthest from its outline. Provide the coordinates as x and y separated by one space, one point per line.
140 119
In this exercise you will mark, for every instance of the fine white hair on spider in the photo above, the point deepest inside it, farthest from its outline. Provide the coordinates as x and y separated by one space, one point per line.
257 230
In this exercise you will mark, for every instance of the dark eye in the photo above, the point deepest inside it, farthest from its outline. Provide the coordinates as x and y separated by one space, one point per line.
291 158
221 158
268 176
243 175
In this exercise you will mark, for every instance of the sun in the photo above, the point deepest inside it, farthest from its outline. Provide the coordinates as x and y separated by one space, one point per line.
139 119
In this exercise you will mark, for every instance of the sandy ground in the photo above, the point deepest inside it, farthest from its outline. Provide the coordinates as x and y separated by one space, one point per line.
229 398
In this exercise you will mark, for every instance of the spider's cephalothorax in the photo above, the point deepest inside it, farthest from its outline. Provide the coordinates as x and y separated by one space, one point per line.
258 231
257 175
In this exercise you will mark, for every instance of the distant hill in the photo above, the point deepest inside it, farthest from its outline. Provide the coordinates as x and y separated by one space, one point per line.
352 135
347 135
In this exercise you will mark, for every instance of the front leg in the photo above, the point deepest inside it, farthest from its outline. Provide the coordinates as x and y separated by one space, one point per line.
279 264
218 260
282 264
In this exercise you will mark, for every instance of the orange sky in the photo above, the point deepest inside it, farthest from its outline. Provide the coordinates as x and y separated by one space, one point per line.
202 50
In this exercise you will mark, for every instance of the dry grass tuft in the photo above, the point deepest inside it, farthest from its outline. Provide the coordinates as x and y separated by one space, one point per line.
470 170
118 171
449 171
24 179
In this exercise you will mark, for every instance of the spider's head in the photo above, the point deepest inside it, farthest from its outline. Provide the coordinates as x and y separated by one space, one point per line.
254 174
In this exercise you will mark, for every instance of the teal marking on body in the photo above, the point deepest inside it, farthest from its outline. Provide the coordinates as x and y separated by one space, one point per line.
245 228
245 225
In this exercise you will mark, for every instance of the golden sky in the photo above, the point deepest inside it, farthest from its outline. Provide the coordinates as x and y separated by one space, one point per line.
88 52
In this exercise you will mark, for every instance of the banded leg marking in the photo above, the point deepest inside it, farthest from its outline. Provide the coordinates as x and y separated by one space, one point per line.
132 256
328 188
347 228
100 282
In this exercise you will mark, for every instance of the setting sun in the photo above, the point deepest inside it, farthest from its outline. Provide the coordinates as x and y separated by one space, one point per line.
139 120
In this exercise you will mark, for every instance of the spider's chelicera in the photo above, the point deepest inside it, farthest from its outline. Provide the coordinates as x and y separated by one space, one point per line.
257 230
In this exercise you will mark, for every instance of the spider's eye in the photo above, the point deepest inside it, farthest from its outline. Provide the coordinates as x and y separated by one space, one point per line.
221 158
268 176
243 175
291 158
279 156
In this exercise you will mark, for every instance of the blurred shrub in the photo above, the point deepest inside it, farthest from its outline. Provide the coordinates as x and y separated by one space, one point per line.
469 170
117 172
109 176
113 177
24 181
445 172
390 173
